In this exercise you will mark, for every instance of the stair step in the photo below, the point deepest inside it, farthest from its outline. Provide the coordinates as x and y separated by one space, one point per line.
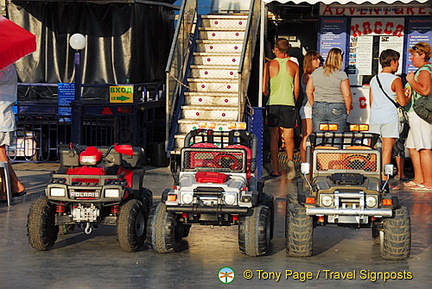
220 46
211 72
225 23
211 98
186 125
223 113
222 16
216 58
221 35
214 85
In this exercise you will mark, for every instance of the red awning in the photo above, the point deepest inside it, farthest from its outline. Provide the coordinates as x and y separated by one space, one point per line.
16 42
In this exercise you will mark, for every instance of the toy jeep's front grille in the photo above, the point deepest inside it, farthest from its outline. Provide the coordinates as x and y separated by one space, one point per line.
213 159
363 160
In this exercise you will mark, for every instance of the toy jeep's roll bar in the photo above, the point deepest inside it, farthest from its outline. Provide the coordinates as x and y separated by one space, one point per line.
341 139
223 139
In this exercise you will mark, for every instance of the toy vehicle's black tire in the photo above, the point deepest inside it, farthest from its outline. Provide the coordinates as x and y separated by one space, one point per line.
298 229
396 244
254 233
131 226
164 232
269 202
41 229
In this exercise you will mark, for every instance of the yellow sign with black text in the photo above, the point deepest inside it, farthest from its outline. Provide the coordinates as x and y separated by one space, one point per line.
121 94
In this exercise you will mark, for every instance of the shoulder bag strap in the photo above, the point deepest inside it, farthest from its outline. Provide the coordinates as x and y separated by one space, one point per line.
394 102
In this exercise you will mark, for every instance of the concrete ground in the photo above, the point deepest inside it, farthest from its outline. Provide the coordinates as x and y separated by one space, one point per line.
342 257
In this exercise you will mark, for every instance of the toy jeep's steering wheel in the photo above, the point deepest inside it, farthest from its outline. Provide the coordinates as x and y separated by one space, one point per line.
226 161
359 162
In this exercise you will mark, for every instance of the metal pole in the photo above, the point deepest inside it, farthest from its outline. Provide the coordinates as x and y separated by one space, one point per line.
77 105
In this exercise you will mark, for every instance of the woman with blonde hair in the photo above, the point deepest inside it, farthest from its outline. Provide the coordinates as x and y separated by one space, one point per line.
419 140
311 61
328 91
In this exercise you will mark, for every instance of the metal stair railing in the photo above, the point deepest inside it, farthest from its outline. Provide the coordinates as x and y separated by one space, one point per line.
178 66
248 50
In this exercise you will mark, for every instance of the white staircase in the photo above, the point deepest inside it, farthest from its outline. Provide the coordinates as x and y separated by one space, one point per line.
213 81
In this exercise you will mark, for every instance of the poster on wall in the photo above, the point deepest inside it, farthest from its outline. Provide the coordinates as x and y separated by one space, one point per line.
333 33
368 37
419 30
360 55
395 43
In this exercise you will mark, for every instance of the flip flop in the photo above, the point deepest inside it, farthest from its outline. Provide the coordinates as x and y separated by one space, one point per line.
421 188
274 175
19 194
410 184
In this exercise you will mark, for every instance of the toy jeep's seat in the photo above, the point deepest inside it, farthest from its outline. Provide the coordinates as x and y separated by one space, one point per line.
202 159
248 154
327 160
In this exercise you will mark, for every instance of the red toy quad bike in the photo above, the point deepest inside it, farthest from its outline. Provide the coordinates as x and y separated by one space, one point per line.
217 185
93 186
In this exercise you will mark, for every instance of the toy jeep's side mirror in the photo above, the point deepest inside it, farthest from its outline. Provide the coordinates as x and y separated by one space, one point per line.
305 168
389 169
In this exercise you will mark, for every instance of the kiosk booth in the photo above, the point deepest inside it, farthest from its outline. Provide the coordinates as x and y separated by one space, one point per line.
362 29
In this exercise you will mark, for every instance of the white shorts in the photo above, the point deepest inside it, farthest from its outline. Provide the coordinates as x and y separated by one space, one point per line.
420 133
386 130
305 111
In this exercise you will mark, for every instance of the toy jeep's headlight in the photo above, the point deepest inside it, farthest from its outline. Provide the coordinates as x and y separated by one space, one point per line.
327 201
112 193
230 199
57 192
187 198
371 201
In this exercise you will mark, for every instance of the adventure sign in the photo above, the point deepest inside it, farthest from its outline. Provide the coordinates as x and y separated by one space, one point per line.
121 94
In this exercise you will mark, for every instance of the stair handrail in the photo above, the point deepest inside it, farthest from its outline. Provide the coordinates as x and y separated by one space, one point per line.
249 43
177 66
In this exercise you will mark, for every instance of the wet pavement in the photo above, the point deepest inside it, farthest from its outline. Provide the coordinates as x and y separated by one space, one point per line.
342 257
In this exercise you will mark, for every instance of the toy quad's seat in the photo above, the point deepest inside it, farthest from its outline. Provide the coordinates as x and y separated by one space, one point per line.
202 159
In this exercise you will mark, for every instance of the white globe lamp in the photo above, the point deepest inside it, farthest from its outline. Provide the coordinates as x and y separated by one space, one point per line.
77 41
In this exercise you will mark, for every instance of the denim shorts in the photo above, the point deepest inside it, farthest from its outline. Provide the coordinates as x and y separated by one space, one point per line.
329 112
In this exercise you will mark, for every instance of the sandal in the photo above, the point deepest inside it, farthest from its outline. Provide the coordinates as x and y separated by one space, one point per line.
421 188
410 184
19 194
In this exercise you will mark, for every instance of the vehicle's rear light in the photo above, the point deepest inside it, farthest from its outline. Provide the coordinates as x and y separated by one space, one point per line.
321 219
184 215
235 218
237 125
328 127
310 200
172 198
387 202
359 127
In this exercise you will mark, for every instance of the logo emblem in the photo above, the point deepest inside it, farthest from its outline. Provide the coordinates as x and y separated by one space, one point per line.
226 275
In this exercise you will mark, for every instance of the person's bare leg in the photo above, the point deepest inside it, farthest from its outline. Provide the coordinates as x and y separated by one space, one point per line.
426 167
387 147
16 185
307 128
288 135
274 148
400 163
415 159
